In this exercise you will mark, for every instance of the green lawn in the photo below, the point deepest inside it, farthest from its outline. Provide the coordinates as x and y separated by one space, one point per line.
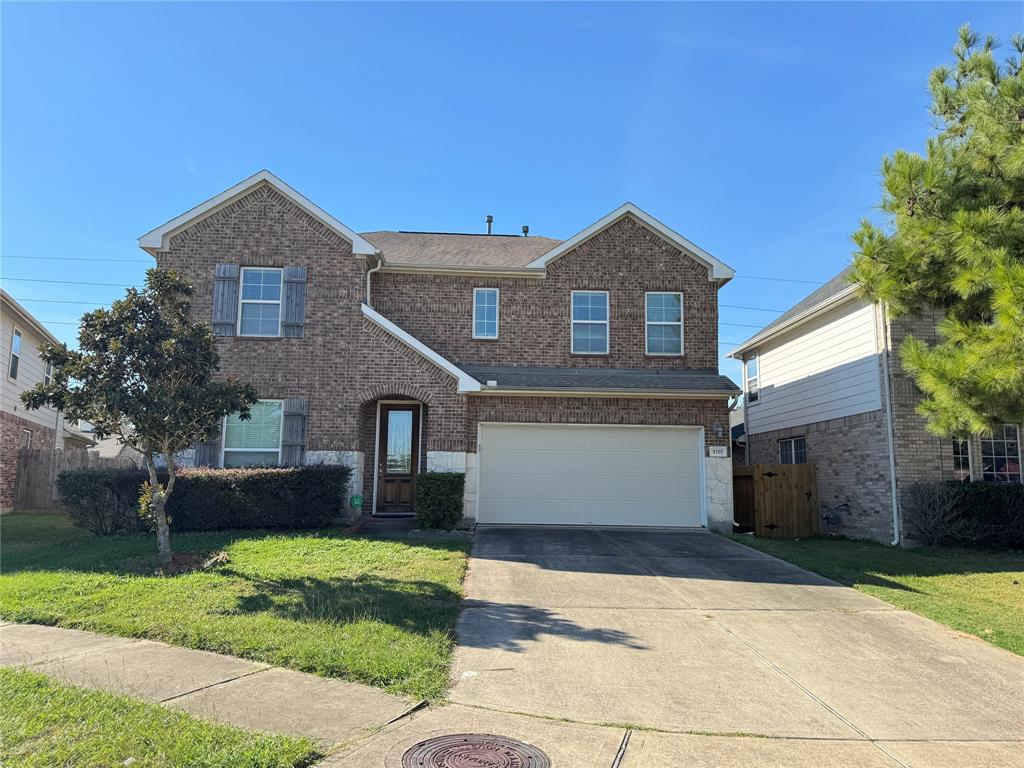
373 611
970 590
45 724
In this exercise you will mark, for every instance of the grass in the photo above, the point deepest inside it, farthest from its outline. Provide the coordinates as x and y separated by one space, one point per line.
372 611
44 724
974 591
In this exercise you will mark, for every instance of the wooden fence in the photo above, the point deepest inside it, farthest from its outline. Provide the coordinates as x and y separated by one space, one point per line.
35 484
777 501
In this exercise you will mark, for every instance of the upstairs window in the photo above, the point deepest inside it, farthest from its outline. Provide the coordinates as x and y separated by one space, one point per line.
260 310
485 313
793 451
664 324
257 440
961 459
48 374
589 323
1000 456
752 387
12 367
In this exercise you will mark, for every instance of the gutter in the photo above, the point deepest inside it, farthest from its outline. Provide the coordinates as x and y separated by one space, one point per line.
673 394
879 315
370 271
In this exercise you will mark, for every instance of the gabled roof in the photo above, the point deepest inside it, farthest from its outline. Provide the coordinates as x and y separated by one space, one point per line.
157 239
717 270
445 249
821 298
27 318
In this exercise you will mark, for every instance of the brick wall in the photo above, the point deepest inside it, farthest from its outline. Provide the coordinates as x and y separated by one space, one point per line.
627 259
851 456
11 435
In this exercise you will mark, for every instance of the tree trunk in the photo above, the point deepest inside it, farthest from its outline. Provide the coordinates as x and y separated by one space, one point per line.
159 500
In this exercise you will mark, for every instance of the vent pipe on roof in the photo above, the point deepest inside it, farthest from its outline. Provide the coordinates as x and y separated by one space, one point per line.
490 220
526 230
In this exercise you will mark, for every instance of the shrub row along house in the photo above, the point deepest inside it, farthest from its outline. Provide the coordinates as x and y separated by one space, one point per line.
822 385
572 382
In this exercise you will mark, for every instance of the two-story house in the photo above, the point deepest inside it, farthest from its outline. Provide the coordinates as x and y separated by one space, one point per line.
572 382
822 384
21 335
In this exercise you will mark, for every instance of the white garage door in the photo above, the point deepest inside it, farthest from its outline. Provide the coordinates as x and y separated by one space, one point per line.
589 475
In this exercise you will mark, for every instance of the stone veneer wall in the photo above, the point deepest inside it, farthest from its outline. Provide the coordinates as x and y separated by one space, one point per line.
851 456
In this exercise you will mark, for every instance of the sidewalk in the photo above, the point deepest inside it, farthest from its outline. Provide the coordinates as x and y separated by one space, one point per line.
224 688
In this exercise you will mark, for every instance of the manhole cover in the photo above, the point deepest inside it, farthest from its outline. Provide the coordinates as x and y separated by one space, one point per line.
474 750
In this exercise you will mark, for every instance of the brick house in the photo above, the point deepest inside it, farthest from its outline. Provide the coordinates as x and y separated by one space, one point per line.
822 385
20 338
572 382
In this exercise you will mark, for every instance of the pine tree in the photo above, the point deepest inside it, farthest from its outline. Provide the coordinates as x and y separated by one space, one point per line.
954 239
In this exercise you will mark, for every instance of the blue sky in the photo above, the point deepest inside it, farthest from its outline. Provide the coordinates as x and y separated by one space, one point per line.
755 130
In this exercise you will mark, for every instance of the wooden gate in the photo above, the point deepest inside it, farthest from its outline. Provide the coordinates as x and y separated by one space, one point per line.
35 481
778 501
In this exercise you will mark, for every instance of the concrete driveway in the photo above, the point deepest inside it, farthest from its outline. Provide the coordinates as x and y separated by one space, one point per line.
686 632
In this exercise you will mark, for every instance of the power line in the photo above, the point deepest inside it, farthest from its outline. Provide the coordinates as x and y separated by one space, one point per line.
756 309
778 279
66 282
78 258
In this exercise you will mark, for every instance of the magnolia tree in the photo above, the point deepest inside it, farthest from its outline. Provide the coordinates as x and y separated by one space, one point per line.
144 372
954 240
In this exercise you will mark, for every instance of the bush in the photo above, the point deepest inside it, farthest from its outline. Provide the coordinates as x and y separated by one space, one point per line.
439 499
962 514
109 501
104 501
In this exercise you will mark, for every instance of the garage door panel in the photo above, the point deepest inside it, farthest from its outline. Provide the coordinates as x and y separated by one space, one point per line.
597 475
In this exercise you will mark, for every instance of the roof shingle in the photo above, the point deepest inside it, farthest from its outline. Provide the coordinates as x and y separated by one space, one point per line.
596 379
459 250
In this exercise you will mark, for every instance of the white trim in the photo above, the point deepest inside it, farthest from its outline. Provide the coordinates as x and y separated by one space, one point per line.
607 323
280 435
747 378
703 474
15 333
376 446
970 455
808 314
667 394
717 270
28 445
649 323
497 313
28 319
158 239
792 449
241 301
466 382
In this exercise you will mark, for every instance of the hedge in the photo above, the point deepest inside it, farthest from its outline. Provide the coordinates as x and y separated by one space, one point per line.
439 499
209 499
967 514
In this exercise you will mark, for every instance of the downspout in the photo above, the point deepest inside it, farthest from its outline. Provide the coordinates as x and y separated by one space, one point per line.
879 316
380 263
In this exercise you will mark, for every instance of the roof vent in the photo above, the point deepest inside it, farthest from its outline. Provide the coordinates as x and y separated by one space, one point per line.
489 220
526 230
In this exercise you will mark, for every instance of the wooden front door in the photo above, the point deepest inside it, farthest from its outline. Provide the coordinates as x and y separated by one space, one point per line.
398 452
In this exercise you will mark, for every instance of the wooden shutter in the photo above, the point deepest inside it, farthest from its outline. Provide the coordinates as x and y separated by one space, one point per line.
293 432
293 311
208 453
225 299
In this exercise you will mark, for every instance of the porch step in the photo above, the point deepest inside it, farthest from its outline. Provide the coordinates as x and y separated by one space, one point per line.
378 524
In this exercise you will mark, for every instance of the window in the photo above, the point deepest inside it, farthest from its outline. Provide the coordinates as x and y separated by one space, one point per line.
590 322
48 374
26 438
1000 455
12 368
485 313
260 313
256 441
961 459
751 369
793 451
664 323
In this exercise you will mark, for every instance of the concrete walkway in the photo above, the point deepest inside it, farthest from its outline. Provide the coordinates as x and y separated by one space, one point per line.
224 688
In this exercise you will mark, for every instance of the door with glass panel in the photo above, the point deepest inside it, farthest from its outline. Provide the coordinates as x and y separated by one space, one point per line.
397 457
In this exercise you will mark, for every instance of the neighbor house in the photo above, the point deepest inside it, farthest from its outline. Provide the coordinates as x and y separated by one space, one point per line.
824 384
572 382
21 335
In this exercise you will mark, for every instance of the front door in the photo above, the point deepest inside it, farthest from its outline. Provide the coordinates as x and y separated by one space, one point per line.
397 457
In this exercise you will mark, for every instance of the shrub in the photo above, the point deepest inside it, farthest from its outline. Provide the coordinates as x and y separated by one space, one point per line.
439 499
109 501
104 501
975 514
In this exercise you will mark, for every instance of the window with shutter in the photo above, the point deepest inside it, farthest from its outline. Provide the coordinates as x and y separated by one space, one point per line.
257 440
293 316
225 299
